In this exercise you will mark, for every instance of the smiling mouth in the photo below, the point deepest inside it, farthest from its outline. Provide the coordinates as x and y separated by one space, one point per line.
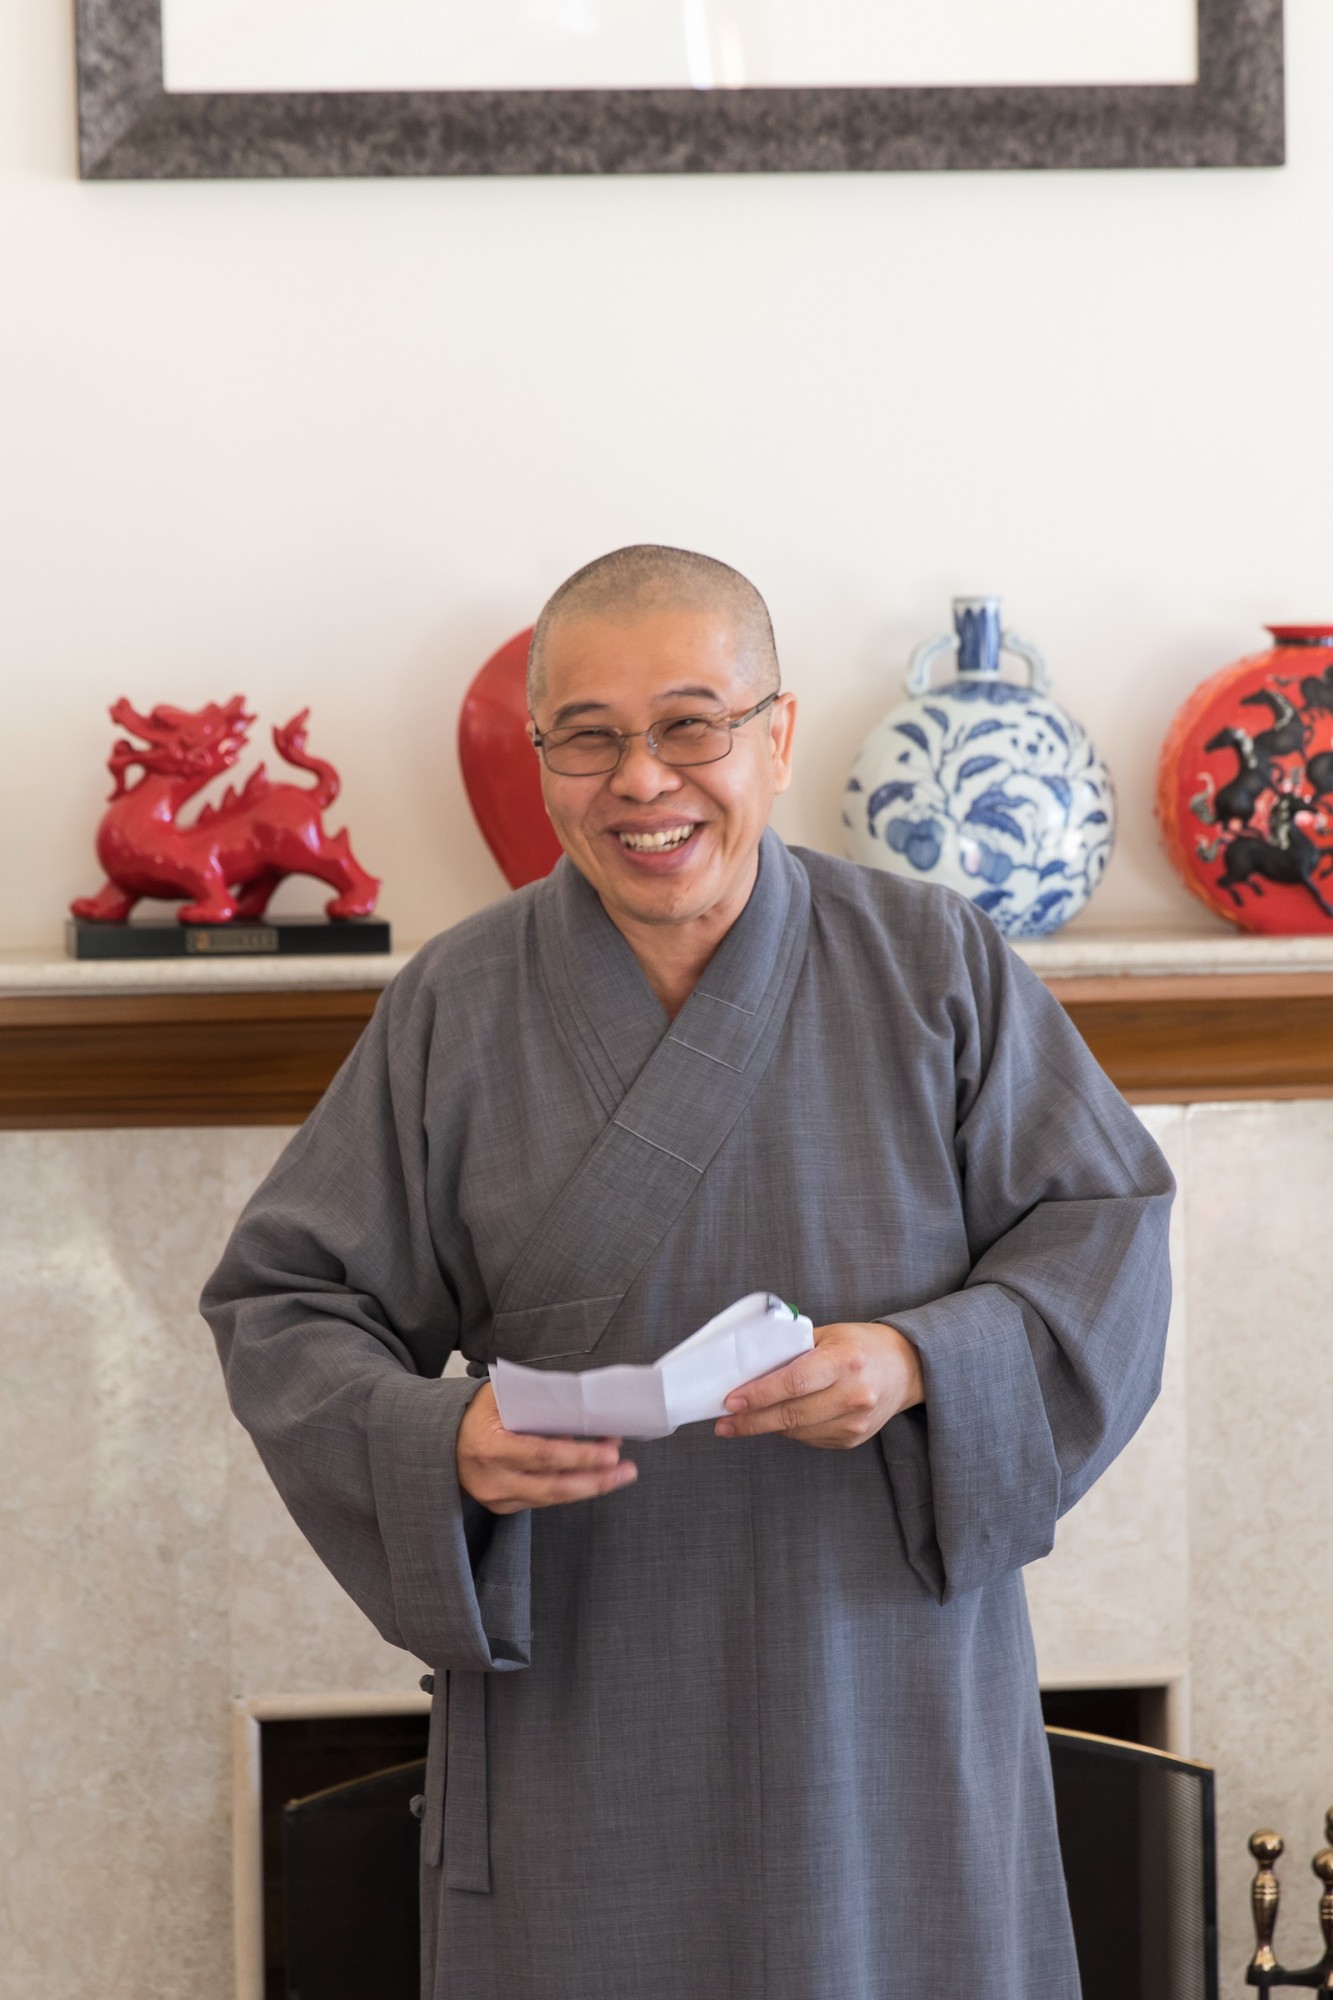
660 842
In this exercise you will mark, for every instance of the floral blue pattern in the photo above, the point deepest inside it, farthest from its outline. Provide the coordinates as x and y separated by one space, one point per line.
992 789
918 839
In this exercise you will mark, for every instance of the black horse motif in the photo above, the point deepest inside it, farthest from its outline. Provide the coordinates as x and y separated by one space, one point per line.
1290 856
1289 731
1237 799
1319 773
1317 689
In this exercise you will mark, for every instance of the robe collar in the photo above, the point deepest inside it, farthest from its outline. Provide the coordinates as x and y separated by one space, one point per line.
615 1020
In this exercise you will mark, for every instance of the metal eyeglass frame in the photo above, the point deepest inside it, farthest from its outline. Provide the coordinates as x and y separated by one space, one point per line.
730 723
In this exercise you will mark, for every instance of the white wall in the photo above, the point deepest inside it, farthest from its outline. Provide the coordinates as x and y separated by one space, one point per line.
332 442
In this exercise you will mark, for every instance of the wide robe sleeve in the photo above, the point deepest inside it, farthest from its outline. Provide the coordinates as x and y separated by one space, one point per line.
1043 1365
333 1319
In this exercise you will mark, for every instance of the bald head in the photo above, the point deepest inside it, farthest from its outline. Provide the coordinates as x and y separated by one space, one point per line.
645 578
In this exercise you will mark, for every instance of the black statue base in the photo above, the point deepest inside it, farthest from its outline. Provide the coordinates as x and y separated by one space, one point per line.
165 937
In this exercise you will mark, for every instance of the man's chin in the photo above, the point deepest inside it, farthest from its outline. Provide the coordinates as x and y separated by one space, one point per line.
661 899
669 904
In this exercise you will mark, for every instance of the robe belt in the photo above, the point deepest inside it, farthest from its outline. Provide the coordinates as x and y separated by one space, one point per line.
466 1829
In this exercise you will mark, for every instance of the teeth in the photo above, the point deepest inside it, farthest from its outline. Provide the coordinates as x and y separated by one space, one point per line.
651 843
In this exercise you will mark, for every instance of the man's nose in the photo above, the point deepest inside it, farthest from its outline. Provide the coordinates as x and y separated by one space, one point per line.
640 775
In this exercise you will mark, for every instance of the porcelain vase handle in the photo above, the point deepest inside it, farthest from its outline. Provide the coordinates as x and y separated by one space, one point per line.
1039 674
924 658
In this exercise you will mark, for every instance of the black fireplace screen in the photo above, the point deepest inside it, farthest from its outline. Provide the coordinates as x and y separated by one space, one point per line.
1139 1852
1136 1838
350 1859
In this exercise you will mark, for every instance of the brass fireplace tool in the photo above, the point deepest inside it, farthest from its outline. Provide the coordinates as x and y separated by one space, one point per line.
1263 1970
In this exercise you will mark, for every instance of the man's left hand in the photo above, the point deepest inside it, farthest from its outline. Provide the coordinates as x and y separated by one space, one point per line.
858 1375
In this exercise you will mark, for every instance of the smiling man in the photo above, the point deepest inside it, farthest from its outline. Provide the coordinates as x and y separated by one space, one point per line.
670 836
752 1713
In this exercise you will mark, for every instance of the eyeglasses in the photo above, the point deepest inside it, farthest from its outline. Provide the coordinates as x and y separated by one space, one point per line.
584 751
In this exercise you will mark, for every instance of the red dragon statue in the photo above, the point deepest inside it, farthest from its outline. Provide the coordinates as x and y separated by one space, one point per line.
232 857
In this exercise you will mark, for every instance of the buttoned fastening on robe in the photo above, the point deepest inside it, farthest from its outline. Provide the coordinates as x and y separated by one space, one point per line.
764 1725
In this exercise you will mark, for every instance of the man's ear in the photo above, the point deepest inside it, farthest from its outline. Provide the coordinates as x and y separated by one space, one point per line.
781 733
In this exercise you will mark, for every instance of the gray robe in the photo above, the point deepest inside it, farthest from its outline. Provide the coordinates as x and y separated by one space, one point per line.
765 1725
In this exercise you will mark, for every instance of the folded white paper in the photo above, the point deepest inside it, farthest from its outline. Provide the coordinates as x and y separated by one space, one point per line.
687 1385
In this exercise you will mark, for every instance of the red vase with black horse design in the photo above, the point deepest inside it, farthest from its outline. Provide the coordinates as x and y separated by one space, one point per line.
1245 786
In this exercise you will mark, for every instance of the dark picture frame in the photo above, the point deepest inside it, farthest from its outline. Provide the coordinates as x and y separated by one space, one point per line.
131 128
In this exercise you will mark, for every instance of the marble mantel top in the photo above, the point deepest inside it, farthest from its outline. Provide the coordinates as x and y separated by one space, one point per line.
1079 954
1090 954
29 974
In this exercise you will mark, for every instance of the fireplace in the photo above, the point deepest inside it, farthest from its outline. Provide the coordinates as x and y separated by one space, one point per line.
336 1822
1136 1833
294 1747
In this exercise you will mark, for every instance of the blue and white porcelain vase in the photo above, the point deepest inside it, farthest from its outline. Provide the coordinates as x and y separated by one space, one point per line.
984 785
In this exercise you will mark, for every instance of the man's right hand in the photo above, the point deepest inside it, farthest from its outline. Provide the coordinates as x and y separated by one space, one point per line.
509 1470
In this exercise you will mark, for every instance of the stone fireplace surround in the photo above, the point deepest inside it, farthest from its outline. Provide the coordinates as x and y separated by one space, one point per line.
158 1599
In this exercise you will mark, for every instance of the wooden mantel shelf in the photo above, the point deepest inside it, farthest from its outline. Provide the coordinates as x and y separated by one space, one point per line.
255 1042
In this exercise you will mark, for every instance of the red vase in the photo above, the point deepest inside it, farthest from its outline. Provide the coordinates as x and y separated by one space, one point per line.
500 767
1245 787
